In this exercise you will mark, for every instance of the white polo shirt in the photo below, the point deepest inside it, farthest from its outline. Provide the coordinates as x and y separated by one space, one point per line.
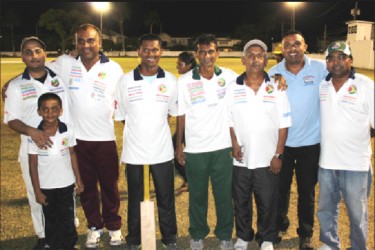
346 117
54 164
257 118
145 106
22 100
91 94
202 101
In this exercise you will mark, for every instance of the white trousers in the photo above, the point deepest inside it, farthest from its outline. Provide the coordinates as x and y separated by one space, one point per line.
36 209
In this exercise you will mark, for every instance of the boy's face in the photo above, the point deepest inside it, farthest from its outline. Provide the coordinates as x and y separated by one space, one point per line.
50 111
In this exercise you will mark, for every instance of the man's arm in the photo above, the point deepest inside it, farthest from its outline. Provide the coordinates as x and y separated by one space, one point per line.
180 156
236 148
276 163
33 169
40 137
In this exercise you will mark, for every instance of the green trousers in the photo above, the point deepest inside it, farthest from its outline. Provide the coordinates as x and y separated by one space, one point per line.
200 167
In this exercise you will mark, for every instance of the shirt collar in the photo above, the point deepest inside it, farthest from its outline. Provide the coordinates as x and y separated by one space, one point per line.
352 75
240 79
103 58
26 74
62 126
196 75
138 76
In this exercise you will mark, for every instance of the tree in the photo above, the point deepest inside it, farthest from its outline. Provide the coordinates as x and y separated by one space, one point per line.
10 21
152 18
63 23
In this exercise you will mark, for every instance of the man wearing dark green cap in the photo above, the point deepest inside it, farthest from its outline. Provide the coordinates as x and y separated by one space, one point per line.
346 113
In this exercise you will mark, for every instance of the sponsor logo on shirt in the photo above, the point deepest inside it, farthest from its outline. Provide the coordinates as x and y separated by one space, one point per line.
196 92
269 88
239 96
323 95
98 90
308 80
162 88
64 142
352 89
55 83
135 93
102 75
28 91
221 82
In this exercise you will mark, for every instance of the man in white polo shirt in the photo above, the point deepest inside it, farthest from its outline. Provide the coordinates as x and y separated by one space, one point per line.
92 79
347 113
20 113
146 96
259 116
203 117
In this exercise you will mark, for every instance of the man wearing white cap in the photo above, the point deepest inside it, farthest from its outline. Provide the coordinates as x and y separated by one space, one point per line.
259 117
347 113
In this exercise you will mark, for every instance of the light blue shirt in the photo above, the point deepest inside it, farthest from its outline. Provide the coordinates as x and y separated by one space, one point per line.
303 94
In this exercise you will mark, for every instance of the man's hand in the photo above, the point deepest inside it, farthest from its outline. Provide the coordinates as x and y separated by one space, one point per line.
41 139
276 164
281 82
237 152
180 156
79 187
41 198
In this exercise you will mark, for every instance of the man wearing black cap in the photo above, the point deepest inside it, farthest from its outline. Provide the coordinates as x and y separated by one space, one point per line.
20 113
347 112
259 117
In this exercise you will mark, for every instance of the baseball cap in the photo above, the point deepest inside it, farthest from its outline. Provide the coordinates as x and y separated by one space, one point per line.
338 46
32 38
255 42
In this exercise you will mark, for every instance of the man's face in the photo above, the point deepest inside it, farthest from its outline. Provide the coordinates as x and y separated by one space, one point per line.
150 52
254 60
206 55
88 43
294 48
33 55
339 64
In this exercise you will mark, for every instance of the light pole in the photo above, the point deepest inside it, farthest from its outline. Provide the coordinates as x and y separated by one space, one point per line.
293 15
101 7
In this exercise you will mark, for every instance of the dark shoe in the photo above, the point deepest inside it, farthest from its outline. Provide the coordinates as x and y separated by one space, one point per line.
305 243
40 244
132 247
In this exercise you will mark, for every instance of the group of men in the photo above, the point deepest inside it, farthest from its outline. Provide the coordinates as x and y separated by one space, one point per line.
244 133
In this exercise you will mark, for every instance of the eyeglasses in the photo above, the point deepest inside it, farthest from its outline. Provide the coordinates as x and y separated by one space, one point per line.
296 44
259 56
340 57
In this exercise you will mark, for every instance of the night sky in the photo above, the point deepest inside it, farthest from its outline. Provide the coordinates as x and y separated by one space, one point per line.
189 18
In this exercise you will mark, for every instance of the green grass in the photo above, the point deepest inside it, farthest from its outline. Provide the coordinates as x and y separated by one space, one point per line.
16 230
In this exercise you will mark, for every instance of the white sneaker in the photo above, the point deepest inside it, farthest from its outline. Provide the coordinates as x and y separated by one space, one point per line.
226 245
266 245
93 238
240 244
116 237
196 244
76 221
325 247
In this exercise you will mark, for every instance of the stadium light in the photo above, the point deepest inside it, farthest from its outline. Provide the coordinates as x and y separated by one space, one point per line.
293 5
101 7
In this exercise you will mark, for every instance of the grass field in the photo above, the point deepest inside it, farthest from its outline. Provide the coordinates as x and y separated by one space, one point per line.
16 230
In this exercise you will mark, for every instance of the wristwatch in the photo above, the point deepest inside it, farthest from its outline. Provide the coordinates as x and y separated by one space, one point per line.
279 156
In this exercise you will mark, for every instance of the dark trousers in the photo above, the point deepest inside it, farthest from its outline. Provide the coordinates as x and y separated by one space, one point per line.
304 162
98 163
163 177
59 218
264 185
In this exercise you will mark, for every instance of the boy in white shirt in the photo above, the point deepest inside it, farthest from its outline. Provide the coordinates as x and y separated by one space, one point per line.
54 172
